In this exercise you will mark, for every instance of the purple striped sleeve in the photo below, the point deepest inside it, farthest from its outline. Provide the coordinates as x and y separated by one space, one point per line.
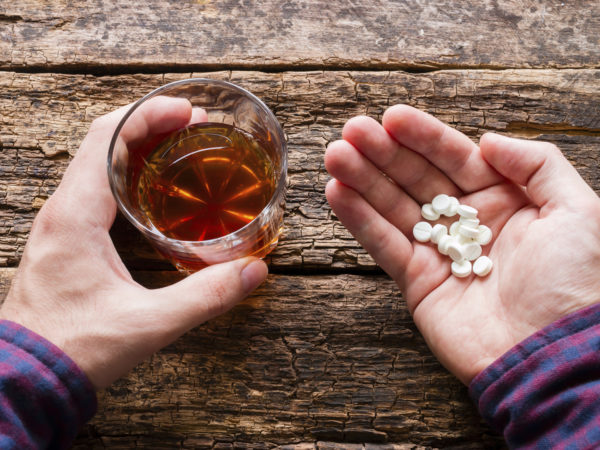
545 392
44 397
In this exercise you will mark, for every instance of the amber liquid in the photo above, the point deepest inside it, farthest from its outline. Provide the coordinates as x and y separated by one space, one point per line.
204 182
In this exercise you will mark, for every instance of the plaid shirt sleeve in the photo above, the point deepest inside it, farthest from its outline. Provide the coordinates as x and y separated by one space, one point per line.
44 397
545 392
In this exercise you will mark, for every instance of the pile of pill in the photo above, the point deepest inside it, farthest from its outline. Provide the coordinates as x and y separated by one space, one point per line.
462 242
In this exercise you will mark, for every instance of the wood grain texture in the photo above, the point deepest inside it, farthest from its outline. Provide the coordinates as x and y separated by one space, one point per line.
43 118
324 355
304 359
135 35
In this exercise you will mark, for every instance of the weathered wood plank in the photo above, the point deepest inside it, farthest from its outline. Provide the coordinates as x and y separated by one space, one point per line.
94 35
43 117
304 359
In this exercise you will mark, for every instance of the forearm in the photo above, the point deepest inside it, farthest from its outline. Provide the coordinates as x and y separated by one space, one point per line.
45 397
545 392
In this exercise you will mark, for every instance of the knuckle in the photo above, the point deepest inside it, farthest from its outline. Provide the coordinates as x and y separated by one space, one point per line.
50 217
552 149
98 123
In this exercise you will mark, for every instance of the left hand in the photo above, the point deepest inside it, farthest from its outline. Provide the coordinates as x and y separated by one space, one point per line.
73 289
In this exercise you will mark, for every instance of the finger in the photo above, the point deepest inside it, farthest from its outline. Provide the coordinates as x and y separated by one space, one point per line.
207 293
539 166
159 115
85 184
384 242
417 176
156 116
199 115
453 153
346 164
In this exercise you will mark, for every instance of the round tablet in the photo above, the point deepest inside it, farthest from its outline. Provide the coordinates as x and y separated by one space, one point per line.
422 231
482 266
443 244
456 250
454 228
467 211
484 235
440 203
468 232
428 212
461 269
453 208
437 232
473 223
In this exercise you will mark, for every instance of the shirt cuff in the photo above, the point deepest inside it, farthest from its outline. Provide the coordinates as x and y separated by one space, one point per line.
543 393
43 390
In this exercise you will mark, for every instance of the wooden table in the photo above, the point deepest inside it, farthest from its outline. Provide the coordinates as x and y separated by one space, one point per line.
325 354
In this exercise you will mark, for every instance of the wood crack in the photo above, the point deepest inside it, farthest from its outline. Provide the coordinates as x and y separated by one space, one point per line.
81 68
533 130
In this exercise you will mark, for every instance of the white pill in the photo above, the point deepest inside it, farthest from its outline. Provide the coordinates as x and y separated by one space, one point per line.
437 232
454 228
451 210
468 232
422 231
428 212
467 211
440 203
473 223
484 236
443 244
456 250
461 269
482 266
472 250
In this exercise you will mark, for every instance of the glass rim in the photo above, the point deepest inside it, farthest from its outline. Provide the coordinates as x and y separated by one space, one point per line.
282 175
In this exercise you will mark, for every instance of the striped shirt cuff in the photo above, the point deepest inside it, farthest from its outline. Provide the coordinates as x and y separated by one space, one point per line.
545 391
44 396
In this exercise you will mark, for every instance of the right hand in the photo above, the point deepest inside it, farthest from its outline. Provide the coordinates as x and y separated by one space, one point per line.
545 220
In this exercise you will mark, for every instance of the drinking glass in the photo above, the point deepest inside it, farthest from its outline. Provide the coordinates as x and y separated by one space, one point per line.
133 159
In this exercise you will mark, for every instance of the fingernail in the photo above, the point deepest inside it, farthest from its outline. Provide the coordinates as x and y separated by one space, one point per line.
253 274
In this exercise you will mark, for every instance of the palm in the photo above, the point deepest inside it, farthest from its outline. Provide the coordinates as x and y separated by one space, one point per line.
469 322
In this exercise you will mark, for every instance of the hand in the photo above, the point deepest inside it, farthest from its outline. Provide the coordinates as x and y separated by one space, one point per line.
73 289
545 220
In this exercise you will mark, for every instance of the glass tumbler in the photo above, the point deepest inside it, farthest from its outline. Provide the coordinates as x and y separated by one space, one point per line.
199 166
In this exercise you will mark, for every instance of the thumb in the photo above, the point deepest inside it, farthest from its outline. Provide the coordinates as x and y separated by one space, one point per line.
538 166
209 292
